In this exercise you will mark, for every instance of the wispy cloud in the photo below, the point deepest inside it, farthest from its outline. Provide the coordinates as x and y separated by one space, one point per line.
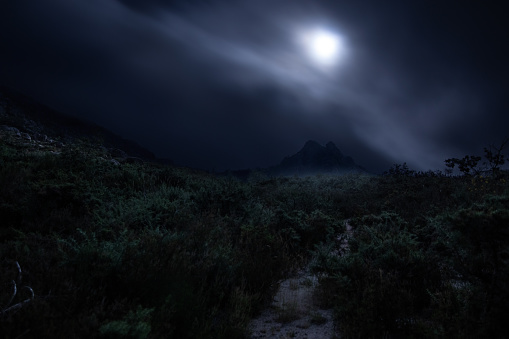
227 73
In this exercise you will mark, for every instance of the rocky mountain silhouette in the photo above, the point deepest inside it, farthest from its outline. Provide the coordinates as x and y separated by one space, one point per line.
41 127
34 122
314 158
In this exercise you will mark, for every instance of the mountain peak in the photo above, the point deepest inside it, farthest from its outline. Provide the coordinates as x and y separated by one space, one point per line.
315 158
330 145
311 143
311 146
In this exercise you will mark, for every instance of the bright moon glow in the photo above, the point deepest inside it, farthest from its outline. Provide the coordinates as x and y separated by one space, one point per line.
322 46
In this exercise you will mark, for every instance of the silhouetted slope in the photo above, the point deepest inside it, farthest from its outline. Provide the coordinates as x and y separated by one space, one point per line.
314 158
34 118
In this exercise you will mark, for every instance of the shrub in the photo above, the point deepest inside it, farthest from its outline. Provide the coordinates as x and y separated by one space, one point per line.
381 284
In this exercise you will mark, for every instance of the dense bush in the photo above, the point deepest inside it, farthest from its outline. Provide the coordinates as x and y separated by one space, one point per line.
428 266
148 251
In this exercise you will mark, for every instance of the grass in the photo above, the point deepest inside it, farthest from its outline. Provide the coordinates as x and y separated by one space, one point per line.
148 251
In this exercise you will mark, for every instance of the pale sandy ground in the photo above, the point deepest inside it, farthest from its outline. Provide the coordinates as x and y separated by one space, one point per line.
294 312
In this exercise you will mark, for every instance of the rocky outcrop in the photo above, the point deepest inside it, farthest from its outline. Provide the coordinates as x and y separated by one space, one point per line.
11 129
36 122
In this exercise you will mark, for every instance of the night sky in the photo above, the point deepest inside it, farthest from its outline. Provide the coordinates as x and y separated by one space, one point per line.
234 84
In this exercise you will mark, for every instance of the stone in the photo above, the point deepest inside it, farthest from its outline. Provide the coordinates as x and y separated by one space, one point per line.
115 162
40 137
9 129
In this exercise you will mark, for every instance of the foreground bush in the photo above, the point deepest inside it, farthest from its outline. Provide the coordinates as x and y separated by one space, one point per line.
440 271
147 251
140 250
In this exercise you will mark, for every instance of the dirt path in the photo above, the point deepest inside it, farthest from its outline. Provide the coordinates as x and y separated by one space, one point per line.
294 312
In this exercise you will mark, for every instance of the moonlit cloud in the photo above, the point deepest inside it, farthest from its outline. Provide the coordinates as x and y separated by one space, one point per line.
375 103
232 84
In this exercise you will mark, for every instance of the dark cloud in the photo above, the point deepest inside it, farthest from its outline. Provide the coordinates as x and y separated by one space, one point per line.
226 84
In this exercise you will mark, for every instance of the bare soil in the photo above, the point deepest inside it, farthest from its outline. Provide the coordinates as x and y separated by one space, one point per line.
295 312
297 308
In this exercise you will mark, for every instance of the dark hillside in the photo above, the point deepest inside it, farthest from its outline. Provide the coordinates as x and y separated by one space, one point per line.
93 247
37 120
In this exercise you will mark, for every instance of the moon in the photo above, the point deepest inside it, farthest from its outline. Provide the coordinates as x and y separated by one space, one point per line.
322 46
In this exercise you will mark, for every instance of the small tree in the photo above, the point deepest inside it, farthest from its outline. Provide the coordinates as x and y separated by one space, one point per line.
398 170
467 165
494 156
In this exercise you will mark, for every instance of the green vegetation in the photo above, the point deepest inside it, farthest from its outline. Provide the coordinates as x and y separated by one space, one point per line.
146 251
